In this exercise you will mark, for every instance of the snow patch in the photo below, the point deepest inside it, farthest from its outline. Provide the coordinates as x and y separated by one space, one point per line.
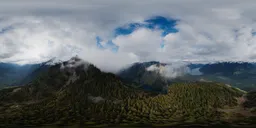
53 61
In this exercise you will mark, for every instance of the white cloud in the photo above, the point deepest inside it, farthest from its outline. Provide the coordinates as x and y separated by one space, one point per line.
143 42
32 42
208 31
173 70
38 40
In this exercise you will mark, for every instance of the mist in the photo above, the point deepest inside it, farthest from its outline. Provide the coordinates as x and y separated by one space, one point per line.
174 70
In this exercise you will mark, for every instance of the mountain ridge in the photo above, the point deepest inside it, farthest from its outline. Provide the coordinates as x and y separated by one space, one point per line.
85 95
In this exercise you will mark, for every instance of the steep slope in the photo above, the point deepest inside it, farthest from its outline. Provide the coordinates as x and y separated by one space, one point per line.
140 77
251 100
76 92
61 90
16 75
11 73
41 68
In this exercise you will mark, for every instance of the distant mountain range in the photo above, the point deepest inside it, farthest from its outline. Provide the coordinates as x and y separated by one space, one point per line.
12 74
237 74
18 75
149 75
75 92
228 68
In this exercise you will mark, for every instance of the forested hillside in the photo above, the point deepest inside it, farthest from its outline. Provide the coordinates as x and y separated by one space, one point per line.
82 94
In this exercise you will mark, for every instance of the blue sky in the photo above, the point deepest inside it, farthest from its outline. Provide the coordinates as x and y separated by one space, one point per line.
5 29
166 25
156 22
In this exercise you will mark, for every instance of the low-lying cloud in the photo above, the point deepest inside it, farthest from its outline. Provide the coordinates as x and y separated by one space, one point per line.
173 70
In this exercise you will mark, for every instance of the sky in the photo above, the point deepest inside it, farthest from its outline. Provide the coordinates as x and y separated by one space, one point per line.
114 33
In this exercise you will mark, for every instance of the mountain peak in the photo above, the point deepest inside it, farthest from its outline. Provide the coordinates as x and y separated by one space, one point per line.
52 61
74 63
55 60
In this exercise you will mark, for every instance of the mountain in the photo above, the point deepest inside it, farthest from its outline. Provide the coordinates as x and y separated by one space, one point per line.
236 74
151 76
76 92
139 75
36 72
228 68
17 75
156 76
12 74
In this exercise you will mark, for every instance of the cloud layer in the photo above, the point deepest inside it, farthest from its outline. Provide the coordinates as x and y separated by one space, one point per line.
198 31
